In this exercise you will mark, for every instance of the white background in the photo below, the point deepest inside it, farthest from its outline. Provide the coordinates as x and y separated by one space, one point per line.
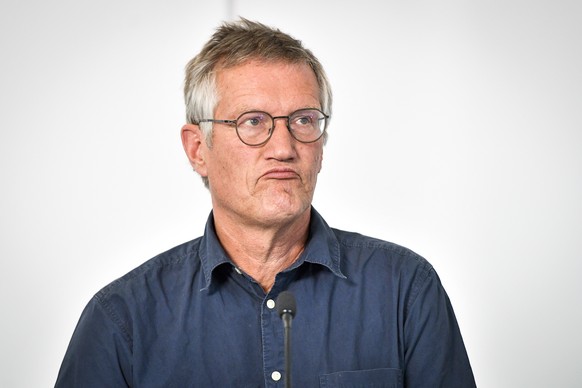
456 132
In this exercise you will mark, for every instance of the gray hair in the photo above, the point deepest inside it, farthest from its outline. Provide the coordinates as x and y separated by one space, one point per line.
232 44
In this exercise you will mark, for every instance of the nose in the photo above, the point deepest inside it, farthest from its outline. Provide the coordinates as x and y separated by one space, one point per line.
282 144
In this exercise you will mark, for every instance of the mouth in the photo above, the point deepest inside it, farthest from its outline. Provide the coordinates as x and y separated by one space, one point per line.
280 173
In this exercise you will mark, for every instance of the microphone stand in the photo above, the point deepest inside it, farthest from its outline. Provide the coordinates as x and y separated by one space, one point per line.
287 308
287 319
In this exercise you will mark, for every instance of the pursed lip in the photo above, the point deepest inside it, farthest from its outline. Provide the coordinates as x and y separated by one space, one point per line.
280 173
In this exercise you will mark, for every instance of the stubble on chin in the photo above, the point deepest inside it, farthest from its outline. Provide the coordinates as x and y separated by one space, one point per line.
284 200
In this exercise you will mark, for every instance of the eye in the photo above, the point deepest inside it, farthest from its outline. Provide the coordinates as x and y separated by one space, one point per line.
304 120
307 119
252 120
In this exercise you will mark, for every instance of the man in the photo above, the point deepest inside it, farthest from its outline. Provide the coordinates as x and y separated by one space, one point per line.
203 314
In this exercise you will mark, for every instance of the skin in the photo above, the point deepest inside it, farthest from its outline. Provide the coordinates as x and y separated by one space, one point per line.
261 196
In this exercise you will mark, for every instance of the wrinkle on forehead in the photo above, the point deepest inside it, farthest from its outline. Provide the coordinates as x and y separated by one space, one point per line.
241 86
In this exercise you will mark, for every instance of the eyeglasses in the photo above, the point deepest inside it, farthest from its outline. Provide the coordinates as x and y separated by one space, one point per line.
256 128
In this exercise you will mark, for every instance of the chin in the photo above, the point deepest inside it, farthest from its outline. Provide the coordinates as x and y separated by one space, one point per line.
284 203
285 210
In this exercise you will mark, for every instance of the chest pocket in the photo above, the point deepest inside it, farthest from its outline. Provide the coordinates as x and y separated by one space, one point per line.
373 378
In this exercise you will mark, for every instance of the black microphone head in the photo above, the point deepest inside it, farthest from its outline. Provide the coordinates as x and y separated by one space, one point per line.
286 304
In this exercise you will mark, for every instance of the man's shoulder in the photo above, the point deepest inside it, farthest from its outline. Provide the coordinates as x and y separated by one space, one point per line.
366 247
173 265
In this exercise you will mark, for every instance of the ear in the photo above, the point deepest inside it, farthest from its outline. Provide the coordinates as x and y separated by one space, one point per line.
195 148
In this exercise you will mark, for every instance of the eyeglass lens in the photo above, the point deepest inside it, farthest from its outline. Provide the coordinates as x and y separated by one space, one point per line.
255 128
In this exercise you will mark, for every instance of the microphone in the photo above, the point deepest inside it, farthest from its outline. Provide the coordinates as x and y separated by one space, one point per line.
287 309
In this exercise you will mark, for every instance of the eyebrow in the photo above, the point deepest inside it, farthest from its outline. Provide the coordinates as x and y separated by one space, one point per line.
241 111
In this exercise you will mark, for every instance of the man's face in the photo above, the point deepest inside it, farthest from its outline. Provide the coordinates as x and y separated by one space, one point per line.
275 182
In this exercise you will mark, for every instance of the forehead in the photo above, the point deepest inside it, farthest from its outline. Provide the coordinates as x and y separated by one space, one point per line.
264 66
258 84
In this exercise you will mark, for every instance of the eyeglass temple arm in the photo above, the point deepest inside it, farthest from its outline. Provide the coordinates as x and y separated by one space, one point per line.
216 121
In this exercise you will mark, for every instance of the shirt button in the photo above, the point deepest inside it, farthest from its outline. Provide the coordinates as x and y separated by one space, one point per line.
276 376
271 305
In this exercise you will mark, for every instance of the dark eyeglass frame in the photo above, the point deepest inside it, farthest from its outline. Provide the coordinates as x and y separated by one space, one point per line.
272 129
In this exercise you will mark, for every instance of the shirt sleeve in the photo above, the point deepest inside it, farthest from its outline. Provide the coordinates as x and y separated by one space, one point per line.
435 355
99 354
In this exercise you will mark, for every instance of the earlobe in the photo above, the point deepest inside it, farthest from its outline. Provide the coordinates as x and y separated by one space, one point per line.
195 147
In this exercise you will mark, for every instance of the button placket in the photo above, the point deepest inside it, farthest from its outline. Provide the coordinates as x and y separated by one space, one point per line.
272 335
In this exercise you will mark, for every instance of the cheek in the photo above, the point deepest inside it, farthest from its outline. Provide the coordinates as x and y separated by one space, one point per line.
318 162
234 168
314 167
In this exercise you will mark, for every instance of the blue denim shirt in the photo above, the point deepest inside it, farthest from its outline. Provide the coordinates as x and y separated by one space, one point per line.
369 313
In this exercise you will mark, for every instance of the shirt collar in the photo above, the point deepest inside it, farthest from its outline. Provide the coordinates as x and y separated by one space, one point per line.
322 248
211 253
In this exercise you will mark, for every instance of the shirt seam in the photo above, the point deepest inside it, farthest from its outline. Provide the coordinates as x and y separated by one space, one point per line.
114 317
418 284
425 268
102 296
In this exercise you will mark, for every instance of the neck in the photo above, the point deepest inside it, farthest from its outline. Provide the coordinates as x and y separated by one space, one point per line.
262 251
